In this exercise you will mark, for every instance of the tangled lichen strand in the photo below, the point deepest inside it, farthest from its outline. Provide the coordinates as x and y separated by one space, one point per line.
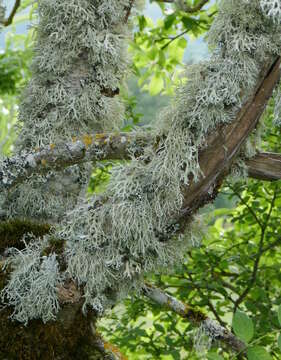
111 244
79 62
272 8
80 58
32 286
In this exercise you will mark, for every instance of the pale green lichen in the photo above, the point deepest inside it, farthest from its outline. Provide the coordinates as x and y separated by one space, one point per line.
32 287
272 8
80 60
132 232
132 229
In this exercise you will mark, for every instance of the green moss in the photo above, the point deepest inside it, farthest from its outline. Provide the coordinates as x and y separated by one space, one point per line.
12 232
55 340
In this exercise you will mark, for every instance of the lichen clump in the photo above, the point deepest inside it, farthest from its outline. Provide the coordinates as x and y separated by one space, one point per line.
35 279
80 60
111 244
112 240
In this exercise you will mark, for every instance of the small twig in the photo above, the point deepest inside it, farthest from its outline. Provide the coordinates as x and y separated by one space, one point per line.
210 305
174 38
258 257
187 9
247 205
10 19
129 9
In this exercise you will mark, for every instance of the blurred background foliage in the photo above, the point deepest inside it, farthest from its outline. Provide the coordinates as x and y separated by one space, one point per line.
236 268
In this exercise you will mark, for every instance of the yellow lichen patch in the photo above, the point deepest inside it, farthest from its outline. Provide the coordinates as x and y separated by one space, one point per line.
107 140
114 350
37 149
74 139
44 162
52 146
87 140
99 136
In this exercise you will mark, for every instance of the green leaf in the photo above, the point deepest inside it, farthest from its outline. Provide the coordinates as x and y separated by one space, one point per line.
243 326
279 314
279 341
169 20
258 353
159 328
214 356
156 85
176 355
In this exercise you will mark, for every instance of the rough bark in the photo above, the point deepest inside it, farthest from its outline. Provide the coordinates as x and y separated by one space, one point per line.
224 146
108 146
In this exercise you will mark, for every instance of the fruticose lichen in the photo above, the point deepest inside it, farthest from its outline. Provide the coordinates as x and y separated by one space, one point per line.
111 244
131 229
32 288
80 60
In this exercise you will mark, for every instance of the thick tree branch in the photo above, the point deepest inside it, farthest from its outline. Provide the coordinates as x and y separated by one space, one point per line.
14 170
223 146
265 166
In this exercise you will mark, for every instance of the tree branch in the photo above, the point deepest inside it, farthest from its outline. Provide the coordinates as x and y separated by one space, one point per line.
94 147
10 19
224 146
215 160
265 166
196 317
187 8
97 147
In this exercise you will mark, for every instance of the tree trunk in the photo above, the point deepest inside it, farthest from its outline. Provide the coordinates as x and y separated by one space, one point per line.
69 337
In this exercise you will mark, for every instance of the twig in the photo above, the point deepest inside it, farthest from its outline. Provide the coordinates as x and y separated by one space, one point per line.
211 306
247 205
9 20
196 317
129 9
258 257
187 9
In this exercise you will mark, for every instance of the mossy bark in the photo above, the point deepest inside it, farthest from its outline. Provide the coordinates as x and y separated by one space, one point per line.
12 232
69 337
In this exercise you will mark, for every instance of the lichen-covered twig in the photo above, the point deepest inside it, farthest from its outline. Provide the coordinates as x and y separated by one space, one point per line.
196 317
95 147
